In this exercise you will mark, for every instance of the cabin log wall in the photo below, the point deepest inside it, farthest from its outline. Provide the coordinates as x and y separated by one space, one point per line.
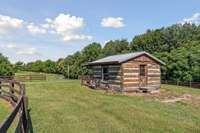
114 75
131 77
97 72
154 75
125 77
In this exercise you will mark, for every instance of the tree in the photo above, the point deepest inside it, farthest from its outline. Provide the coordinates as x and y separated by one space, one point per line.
91 52
177 45
49 66
115 47
19 66
60 66
6 68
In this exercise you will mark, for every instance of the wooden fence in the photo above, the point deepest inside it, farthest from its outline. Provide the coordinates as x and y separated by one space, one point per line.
30 77
179 83
14 93
26 77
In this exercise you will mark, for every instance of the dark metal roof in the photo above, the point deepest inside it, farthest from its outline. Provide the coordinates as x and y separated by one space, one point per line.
123 58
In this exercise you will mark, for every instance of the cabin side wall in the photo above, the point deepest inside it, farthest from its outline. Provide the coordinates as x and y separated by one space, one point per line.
131 77
97 72
114 75
154 75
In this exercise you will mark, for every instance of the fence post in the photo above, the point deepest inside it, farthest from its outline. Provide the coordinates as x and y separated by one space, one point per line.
81 79
11 87
24 115
0 87
190 84
30 78
45 77
177 82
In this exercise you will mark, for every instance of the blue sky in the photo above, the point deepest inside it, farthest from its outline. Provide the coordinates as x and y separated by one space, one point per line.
50 29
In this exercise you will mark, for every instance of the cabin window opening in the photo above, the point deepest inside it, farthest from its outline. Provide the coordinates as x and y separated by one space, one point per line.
105 73
142 70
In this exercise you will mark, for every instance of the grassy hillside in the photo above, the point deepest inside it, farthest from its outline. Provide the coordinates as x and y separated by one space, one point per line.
59 105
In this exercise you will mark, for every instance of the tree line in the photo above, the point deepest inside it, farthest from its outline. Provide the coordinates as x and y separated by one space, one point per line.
177 45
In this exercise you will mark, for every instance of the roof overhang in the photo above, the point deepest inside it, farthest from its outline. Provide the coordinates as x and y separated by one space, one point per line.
123 61
149 55
102 63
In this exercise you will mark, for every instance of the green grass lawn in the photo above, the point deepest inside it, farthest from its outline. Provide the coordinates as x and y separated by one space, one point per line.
59 105
5 109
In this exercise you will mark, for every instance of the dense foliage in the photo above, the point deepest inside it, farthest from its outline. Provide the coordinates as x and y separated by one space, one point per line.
178 46
6 68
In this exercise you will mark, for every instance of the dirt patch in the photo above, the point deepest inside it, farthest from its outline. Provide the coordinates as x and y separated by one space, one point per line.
186 97
169 97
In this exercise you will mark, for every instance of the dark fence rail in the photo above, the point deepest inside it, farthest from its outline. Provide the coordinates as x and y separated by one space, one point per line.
14 92
179 83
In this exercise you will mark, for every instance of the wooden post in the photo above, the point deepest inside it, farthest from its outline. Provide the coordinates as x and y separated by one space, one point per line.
24 114
68 71
30 78
23 87
0 87
177 82
45 77
25 100
11 88
190 84
81 80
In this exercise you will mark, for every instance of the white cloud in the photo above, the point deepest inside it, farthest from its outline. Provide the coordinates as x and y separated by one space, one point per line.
195 18
66 23
33 29
28 52
9 46
76 37
7 23
112 22
67 26
20 49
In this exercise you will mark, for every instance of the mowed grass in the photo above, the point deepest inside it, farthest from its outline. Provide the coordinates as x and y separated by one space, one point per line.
61 106
5 109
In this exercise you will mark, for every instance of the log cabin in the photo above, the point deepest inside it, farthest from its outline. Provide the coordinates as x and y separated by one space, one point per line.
132 72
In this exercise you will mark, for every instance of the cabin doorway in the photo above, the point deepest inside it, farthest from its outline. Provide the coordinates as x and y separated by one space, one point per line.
143 75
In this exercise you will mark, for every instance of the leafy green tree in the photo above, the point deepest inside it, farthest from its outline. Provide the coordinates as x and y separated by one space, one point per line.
115 47
177 45
91 52
49 66
6 68
60 66
19 66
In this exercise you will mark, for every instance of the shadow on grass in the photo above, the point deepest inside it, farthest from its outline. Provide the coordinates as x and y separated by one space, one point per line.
30 125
